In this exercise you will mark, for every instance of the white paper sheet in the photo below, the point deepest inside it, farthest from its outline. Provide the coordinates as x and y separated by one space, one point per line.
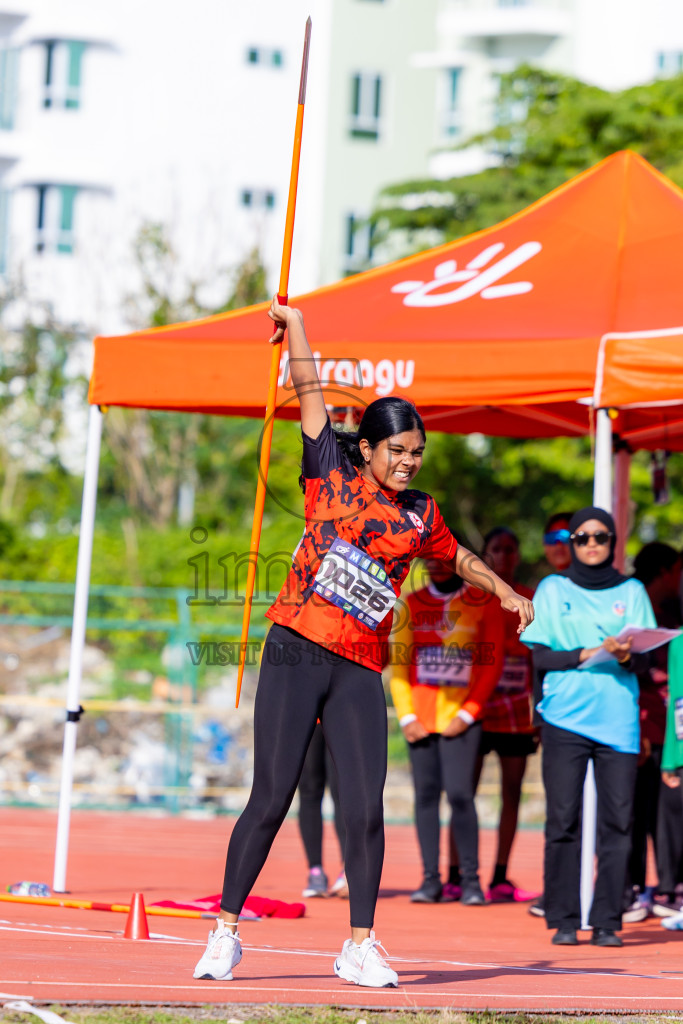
643 639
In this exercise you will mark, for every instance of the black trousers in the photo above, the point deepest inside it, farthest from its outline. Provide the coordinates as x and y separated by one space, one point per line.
318 772
447 763
645 808
299 683
565 759
670 836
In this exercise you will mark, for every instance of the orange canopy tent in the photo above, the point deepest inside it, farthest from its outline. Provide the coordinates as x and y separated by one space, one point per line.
641 375
497 332
639 379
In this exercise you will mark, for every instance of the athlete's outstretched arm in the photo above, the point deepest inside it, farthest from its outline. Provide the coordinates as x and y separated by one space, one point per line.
301 366
471 568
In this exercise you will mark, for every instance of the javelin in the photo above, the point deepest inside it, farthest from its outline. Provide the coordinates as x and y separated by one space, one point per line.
119 908
274 370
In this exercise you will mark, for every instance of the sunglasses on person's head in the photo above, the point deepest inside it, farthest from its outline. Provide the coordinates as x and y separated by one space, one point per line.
581 538
556 537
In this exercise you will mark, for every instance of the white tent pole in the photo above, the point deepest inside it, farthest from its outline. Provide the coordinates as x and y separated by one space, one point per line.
73 707
622 491
588 843
602 483
602 498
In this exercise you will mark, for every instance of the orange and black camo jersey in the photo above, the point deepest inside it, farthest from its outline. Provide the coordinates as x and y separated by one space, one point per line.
391 528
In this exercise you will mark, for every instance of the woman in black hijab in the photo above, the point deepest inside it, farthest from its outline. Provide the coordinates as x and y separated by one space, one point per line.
589 712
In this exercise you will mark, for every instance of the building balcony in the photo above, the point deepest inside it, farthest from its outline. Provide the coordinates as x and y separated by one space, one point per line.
495 21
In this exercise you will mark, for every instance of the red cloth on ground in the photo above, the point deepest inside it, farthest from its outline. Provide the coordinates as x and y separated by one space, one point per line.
258 906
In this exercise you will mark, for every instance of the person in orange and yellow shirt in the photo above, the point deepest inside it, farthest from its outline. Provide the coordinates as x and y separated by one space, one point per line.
447 659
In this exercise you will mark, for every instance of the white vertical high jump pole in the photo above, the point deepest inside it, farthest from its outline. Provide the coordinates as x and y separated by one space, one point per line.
73 706
602 498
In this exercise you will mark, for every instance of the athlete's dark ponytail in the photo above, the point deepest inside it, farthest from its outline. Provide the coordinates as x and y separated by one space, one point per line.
383 418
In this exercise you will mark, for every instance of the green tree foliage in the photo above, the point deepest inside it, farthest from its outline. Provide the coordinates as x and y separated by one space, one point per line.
39 374
149 456
146 456
548 128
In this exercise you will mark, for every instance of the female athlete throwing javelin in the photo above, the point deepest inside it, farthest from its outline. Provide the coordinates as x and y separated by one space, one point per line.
325 652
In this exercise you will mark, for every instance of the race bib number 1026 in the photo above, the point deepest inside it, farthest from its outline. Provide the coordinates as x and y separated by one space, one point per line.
356 583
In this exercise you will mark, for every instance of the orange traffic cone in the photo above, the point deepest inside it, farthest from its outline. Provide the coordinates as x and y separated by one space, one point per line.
136 925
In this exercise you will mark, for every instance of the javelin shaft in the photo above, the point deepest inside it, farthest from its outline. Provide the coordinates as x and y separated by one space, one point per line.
119 908
267 435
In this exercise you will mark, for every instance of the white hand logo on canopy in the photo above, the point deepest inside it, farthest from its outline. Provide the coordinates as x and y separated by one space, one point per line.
476 279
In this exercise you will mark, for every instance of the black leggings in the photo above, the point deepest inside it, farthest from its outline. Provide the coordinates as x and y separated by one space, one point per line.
443 762
299 683
318 771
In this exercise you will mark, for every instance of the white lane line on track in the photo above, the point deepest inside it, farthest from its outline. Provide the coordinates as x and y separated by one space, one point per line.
578 971
364 992
81 933
172 940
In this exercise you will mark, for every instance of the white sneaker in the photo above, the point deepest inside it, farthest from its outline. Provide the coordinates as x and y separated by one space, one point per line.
223 952
638 911
340 887
365 965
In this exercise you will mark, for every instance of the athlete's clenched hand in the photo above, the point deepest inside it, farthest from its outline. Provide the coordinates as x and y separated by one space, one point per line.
282 316
513 602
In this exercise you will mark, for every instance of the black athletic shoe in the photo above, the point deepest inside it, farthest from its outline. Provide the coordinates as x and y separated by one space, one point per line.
429 891
537 908
472 896
605 937
565 937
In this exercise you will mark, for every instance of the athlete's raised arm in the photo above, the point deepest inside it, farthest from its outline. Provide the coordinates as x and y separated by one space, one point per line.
471 568
301 366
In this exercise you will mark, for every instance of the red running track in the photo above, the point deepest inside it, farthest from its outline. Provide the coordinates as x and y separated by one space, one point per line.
496 957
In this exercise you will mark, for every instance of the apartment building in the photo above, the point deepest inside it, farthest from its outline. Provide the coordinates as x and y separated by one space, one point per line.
113 115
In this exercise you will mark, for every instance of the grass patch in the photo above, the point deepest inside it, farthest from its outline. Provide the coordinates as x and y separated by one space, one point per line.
235 1013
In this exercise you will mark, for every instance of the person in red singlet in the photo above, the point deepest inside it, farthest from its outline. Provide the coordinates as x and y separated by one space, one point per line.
507 726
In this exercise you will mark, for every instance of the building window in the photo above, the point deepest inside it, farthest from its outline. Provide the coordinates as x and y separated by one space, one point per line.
366 105
256 198
55 218
669 63
63 74
265 56
452 120
4 228
9 61
358 243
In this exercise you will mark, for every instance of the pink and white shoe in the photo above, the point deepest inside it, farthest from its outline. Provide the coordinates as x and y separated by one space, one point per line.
508 892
